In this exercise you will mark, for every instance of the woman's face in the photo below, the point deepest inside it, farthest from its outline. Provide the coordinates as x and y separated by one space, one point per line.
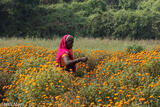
69 43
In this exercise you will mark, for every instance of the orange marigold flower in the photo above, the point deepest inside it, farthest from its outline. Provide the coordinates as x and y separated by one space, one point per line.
146 102
142 99
100 104
77 96
83 105
77 102
71 101
100 100
91 104
151 96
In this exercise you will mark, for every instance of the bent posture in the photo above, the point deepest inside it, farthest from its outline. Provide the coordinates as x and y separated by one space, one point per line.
65 57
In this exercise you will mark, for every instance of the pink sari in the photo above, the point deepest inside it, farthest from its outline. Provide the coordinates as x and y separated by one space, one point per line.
63 49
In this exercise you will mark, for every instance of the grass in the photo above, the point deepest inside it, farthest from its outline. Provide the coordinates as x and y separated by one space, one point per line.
80 43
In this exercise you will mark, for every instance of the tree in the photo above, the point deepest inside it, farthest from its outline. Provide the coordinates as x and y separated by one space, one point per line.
4 17
25 16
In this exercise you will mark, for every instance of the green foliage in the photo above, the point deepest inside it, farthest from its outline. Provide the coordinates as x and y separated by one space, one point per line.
90 93
149 5
26 17
100 25
128 4
156 5
4 16
49 1
39 82
62 20
134 24
134 49
94 18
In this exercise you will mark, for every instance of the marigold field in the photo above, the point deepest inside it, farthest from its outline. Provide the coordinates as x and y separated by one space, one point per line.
29 76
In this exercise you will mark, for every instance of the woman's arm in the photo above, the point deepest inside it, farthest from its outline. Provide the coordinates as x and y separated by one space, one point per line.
68 62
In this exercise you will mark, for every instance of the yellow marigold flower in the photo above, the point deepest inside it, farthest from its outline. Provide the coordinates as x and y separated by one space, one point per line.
133 98
115 98
100 104
77 96
59 105
116 94
151 96
129 95
34 84
143 79
20 101
147 74
109 105
71 101
77 102
105 83
60 81
142 99
52 83
120 91
83 105
57 97
47 89
146 102
91 104
140 74
117 103
125 102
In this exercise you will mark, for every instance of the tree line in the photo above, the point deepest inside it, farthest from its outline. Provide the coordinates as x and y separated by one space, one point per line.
115 19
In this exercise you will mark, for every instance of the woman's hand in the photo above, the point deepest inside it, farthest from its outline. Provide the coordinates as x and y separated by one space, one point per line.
83 59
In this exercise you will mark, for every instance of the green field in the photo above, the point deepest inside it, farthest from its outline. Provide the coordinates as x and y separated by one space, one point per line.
29 76
80 43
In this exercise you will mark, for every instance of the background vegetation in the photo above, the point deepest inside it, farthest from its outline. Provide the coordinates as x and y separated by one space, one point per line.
120 19
87 44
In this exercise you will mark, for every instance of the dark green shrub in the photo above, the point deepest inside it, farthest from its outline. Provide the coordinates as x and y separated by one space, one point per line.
100 25
149 5
60 20
134 24
128 4
134 49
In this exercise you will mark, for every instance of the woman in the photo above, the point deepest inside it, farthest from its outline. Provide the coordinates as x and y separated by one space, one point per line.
65 57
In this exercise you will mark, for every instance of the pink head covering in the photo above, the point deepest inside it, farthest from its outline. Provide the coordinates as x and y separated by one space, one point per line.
63 49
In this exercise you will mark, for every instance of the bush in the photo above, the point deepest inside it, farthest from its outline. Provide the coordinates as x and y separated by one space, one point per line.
61 20
149 5
134 24
128 4
100 25
134 49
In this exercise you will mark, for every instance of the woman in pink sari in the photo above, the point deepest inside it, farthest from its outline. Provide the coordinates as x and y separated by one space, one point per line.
65 57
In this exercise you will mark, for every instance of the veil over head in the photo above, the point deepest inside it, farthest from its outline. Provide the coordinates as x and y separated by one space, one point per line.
63 49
